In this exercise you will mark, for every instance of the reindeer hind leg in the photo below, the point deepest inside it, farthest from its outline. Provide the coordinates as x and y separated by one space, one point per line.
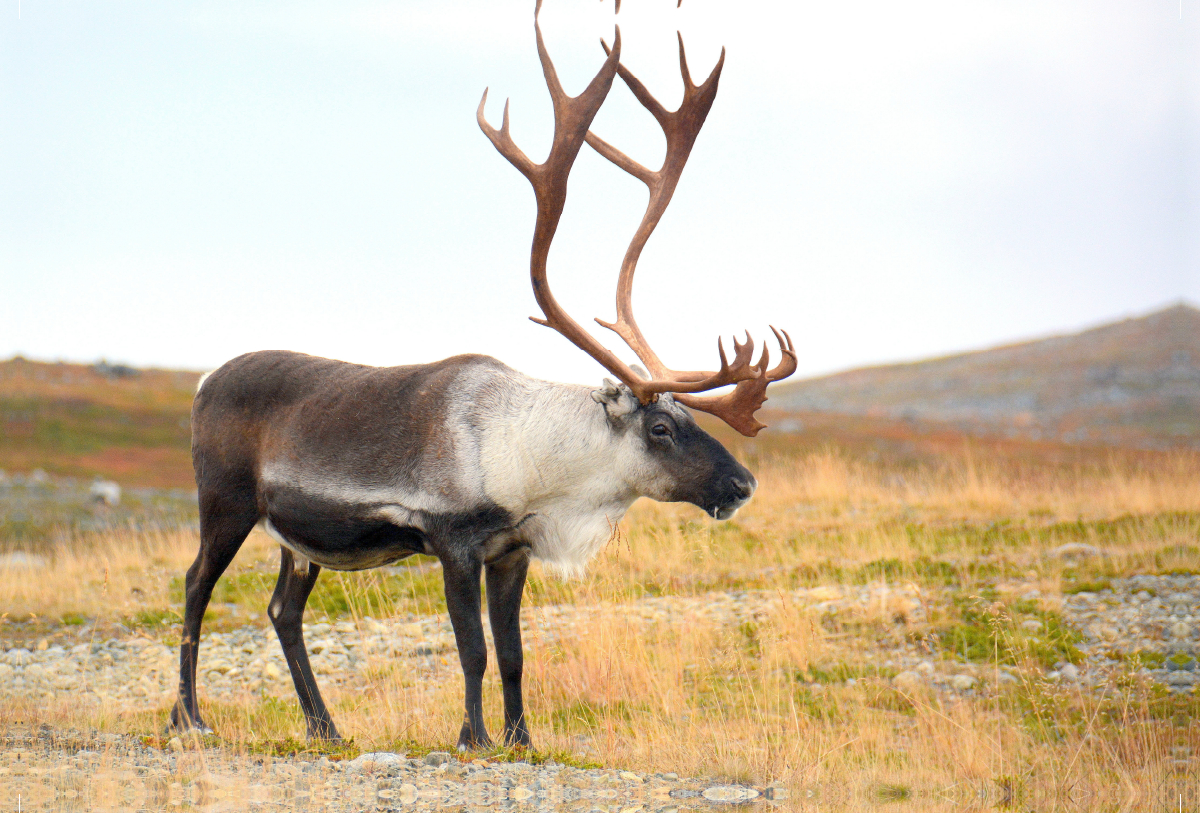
225 522
286 612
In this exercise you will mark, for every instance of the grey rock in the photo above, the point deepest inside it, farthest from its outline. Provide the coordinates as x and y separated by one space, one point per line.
378 760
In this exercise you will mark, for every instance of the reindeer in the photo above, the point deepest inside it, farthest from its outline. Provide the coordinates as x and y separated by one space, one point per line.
350 467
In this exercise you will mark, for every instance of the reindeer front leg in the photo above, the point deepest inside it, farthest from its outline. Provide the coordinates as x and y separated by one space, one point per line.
461 579
505 584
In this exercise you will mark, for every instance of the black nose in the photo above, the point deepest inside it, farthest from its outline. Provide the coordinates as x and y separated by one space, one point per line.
742 488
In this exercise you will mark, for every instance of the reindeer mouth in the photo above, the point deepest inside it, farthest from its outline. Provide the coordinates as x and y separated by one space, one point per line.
723 512
741 490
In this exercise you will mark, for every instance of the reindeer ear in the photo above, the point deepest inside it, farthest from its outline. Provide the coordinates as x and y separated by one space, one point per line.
617 399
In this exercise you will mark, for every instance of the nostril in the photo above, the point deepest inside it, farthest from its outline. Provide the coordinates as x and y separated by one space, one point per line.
741 487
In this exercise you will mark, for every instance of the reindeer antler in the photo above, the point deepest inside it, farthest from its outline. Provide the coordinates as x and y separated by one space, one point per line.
572 118
681 128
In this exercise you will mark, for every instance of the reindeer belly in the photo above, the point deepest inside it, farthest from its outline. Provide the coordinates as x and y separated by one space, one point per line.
356 535
343 535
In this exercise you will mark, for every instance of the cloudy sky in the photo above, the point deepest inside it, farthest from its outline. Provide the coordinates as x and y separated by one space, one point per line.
181 183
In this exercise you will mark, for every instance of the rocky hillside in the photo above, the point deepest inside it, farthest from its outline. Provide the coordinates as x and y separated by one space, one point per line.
1131 382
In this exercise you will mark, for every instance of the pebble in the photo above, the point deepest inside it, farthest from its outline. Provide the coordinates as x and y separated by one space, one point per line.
962 683
376 760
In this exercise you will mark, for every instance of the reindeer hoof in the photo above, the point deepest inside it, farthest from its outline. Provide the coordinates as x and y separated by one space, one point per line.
197 727
469 743
182 723
323 731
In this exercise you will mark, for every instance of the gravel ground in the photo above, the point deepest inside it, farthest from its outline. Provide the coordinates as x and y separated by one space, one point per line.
108 772
1148 614
142 672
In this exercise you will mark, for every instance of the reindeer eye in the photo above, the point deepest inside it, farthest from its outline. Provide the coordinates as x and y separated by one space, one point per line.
661 429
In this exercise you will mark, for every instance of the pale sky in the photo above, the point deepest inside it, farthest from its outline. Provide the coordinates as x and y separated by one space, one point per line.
182 183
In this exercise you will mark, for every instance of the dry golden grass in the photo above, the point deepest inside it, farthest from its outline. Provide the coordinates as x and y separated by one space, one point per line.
707 698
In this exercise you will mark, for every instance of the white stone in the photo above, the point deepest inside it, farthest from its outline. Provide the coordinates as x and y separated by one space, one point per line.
962 682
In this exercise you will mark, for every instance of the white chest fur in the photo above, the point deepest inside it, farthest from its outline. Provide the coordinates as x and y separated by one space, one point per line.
557 461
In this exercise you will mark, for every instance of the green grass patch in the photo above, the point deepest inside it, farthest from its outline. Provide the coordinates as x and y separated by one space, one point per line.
582 714
291 747
817 705
986 633
888 698
841 672
153 619
1143 658
1087 587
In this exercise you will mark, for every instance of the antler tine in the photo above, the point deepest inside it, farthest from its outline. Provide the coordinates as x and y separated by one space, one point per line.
502 140
787 365
738 406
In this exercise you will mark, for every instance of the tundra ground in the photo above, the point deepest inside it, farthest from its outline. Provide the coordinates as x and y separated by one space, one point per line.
966 628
